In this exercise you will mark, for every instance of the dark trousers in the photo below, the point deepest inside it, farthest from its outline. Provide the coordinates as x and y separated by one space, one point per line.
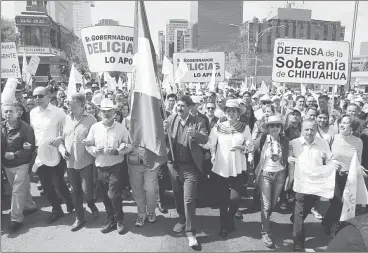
184 180
110 182
163 179
228 197
52 179
303 204
82 183
125 174
334 211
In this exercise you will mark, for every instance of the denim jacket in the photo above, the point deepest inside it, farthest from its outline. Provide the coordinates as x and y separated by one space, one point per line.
284 149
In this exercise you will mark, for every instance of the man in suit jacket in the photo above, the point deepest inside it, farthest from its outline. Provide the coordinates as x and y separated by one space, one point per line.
186 164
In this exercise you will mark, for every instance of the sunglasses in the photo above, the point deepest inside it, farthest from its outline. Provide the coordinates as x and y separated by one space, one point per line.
38 96
210 108
266 102
274 125
219 101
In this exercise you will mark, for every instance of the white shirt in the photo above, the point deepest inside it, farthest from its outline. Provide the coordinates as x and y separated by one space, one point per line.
47 124
106 137
218 112
269 164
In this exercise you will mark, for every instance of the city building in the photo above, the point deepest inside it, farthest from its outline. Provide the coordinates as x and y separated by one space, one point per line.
364 48
107 22
212 19
82 19
170 42
185 40
161 46
40 35
178 43
288 23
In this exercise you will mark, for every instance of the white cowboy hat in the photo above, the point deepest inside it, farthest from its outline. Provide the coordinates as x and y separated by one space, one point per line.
274 119
274 98
234 103
88 91
107 104
197 99
265 98
48 154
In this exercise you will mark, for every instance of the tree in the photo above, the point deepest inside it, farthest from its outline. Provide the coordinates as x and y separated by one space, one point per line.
364 66
8 30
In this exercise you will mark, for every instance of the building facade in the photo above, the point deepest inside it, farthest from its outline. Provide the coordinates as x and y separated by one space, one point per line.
213 19
161 46
170 41
107 22
289 23
40 35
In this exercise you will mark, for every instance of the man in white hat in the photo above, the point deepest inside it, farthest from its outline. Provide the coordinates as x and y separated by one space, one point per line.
16 157
107 141
79 162
89 95
276 102
265 100
47 121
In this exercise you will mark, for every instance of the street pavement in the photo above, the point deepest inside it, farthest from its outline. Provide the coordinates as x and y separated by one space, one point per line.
36 235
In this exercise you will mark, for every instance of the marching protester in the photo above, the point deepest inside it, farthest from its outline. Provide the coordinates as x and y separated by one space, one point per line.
107 141
228 142
186 132
79 162
16 156
47 121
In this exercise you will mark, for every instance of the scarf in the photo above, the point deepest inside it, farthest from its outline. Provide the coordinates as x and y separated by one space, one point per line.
239 127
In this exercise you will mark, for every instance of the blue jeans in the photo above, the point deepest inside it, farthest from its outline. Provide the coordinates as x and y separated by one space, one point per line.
270 185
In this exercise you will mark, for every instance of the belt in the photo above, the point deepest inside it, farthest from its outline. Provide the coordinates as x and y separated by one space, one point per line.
108 167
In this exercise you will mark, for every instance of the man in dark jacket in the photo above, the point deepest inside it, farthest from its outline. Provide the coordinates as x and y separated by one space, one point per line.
19 142
351 236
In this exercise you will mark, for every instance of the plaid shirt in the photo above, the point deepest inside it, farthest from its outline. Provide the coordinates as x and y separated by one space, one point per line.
74 132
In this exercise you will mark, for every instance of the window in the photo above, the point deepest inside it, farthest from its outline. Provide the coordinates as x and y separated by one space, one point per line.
27 36
366 89
36 36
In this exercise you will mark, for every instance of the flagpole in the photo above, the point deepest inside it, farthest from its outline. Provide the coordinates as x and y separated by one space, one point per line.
352 41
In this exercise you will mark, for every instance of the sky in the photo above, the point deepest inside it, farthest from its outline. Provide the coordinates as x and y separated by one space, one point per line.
159 12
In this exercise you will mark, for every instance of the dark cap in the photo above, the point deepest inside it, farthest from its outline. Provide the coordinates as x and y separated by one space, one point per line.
187 99
296 111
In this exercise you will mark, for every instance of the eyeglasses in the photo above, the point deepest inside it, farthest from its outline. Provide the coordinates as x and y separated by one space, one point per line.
274 125
219 101
210 108
266 102
38 96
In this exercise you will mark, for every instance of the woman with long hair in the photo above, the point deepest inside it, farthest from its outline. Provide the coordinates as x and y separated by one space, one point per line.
271 171
258 129
228 142
343 147
325 130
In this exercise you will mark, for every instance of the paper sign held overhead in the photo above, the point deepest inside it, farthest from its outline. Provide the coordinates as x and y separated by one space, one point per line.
108 48
33 65
200 66
311 61
9 61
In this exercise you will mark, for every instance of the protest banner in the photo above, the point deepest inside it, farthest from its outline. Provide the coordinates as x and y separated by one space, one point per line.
9 61
33 65
315 180
235 83
311 61
200 66
108 48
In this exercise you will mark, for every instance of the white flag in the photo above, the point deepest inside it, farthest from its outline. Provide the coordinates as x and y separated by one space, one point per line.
212 83
181 71
264 88
227 75
111 81
72 85
303 89
167 67
355 192
166 84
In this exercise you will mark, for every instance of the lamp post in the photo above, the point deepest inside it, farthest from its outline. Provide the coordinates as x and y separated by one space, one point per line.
256 39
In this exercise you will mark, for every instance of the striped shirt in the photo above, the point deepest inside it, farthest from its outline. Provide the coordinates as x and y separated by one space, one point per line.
343 148
74 132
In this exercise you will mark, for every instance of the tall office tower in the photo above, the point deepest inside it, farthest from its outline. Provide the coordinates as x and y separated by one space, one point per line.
108 22
211 20
161 46
171 26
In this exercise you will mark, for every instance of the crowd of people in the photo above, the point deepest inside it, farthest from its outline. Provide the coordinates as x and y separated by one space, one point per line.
215 139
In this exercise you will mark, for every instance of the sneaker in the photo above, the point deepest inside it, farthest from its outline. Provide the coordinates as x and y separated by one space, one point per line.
14 226
120 227
151 217
94 211
139 222
316 214
39 186
192 241
239 215
108 227
161 208
267 241
178 228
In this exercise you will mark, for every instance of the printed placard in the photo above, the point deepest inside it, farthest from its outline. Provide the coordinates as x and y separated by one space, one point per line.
200 66
9 61
311 61
108 48
33 65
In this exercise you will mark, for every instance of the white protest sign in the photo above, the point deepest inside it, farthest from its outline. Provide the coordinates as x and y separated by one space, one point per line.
315 180
200 66
33 65
310 61
9 61
108 48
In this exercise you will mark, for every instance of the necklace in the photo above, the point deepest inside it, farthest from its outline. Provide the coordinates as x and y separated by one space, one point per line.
275 153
